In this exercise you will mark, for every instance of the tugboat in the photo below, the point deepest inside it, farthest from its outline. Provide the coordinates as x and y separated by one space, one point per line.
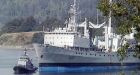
24 65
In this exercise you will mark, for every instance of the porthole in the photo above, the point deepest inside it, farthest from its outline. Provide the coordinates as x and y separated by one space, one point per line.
41 56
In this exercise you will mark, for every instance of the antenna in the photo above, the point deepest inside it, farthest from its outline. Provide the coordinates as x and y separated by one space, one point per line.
25 51
97 18
72 26
66 23
108 30
109 26
43 28
74 7
74 2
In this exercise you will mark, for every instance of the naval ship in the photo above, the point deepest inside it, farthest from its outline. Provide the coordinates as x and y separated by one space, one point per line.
68 49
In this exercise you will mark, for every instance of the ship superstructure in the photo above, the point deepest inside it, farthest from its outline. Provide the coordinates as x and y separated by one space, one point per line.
68 37
66 47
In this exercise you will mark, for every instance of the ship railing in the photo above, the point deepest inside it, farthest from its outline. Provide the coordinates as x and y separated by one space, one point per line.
77 48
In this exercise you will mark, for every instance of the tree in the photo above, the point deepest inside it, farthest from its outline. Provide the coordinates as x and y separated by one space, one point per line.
19 25
126 14
11 26
28 24
51 24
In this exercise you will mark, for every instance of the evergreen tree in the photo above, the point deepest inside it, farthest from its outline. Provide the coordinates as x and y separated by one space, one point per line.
51 23
20 25
126 14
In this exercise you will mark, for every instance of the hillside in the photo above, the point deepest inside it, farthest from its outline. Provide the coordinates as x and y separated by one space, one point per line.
20 16
40 9
17 39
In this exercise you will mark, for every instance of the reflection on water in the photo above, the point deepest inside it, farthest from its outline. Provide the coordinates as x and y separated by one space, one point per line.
9 71
23 74
104 73
8 59
101 73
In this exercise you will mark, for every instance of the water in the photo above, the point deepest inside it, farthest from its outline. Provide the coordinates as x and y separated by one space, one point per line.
8 59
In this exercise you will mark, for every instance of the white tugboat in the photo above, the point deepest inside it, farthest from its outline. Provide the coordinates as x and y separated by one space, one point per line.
24 65
67 49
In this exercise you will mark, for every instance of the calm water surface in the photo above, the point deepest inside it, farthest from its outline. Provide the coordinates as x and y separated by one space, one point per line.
9 57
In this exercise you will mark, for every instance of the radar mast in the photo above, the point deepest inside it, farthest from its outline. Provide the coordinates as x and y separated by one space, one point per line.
72 24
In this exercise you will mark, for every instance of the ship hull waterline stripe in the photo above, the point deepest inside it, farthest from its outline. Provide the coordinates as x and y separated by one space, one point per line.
87 69
85 64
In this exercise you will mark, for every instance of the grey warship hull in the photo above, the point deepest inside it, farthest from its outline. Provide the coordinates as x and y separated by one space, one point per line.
51 56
